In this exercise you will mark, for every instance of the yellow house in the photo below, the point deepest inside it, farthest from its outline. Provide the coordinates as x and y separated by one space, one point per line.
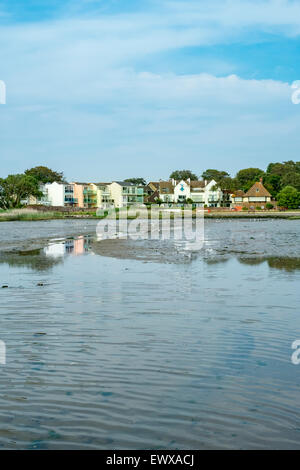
104 197
125 193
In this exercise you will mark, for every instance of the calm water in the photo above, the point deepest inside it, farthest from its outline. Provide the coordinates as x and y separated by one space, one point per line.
114 353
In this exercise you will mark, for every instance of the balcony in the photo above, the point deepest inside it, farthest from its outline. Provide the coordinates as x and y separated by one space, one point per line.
130 191
89 192
71 200
90 201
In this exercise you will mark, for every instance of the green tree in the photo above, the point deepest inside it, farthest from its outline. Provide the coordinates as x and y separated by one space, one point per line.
137 181
291 179
248 176
44 174
15 188
287 173
230 184
272 182
215 175
282 168
289 197
183 175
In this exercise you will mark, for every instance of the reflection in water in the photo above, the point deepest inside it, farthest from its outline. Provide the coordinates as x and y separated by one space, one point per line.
51 255
35 260
284 263
71 246
161 251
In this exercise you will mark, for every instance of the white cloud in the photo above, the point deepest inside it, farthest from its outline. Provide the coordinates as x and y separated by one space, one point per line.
75 92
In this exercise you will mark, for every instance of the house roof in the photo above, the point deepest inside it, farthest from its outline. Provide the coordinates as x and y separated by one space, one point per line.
197 185
125 183
166 185
238 193
153 184
258 190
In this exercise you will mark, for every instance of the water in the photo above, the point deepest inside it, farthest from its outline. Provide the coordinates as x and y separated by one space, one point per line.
111 352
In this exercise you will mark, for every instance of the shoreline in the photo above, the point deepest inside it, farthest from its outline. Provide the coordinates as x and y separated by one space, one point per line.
29 216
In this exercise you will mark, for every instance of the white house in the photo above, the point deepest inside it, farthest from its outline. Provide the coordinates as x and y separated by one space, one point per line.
59 194
200 192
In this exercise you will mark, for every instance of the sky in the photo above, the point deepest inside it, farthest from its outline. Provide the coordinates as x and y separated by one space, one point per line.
109 89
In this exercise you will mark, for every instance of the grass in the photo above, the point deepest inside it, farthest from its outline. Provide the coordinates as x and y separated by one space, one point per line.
35 215
28 215
15 215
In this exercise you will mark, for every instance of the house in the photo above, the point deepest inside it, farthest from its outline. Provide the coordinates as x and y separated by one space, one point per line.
60 194
166 191
86 195
206 193
56 194
257 196
237 197
150 193
124 193
104 197
201 193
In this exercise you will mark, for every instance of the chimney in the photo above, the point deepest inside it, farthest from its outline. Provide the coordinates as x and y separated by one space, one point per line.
189 180
260 180
205 182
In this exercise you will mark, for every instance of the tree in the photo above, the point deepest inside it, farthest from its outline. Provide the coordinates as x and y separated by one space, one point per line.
44 174
183 175
247 177
287 174
216 175
291 179
15 188
289 197
272 182
137 181
282 168
230 184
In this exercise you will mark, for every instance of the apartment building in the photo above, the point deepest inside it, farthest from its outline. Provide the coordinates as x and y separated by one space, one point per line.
104 197
86 195
59 194
124 193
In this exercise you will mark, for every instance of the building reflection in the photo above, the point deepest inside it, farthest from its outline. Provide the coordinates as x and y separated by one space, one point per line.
72 246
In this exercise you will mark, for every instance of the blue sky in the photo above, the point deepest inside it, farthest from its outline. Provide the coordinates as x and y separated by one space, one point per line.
108 89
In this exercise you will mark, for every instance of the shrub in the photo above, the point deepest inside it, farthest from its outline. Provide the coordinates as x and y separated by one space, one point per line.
258 208
244 208
289 197
269 206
